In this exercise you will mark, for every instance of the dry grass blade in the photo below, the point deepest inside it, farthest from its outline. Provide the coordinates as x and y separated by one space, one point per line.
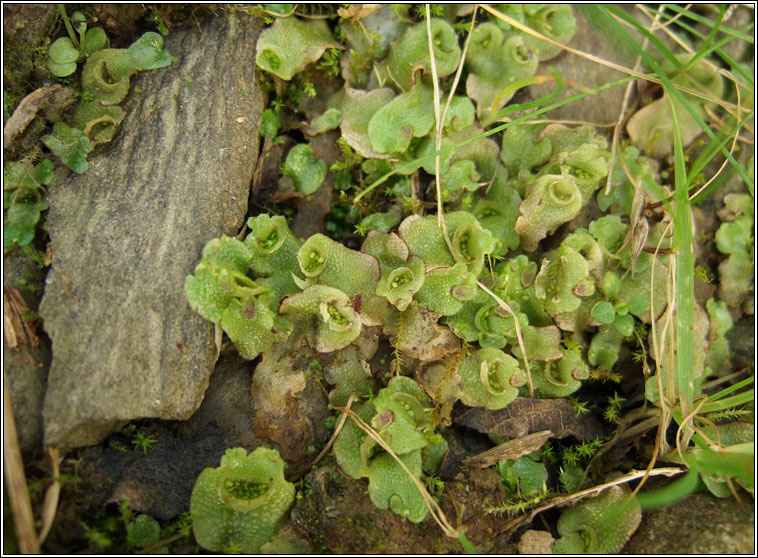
15 477
576 496
512 449
437 514
504 305
602 61
52 495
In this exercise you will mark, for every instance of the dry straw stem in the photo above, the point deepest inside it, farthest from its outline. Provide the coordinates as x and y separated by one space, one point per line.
437 514
504 305
570 498
602 61
52 495
21 505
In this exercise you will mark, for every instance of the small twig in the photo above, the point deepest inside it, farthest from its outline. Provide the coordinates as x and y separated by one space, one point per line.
21 504
563 500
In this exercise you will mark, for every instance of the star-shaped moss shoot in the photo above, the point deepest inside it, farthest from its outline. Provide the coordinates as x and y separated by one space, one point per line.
402 274
599 525
326 313
241 503
494 62
221 292
290 45
490 378
410 54
274 253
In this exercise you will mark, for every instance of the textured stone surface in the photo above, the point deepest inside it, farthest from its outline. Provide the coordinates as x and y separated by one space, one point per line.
700 524
125 234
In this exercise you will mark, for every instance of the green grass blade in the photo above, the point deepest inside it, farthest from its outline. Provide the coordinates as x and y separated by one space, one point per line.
671 494
672 90
727 390
734 401
685 275
710 151
621 14
735 66
705 21
705 49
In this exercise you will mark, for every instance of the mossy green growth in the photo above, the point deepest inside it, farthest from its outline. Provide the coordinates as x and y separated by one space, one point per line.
490 378
599 525
70 145
327 313
652 127
400 414
718 350
305 170
273 250
555 21
550 201
736 238
470 242
241 503
410 53
604 347
524 476
107 73
561 377
402 274
221 292
405 117
494 62
290 45
24 199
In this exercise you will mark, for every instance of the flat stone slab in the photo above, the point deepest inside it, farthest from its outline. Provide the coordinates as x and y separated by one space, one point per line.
125 234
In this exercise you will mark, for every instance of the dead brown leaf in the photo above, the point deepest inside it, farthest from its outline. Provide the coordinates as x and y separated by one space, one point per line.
29 106
512 449
19 334
525 416
354 12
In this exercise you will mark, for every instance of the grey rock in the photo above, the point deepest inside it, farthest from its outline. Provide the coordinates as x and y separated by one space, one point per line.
699 524
124 236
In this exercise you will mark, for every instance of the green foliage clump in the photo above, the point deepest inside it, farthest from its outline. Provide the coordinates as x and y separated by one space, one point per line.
400 414
24 199
735 238
599 525
290 45
306 171
241 502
